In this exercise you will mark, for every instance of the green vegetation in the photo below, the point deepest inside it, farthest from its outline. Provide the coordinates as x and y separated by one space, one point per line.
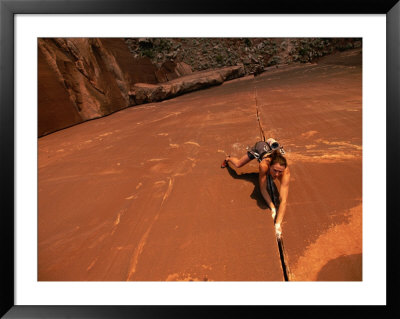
148 53
219 58
247 42
253 53
164 45
274 61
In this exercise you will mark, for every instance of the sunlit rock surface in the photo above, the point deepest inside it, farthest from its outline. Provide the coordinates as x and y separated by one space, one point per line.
80 79
140 196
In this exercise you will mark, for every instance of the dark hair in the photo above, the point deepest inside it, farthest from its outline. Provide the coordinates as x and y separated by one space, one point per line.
277 157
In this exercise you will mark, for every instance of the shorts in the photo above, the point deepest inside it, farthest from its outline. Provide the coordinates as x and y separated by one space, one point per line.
258 150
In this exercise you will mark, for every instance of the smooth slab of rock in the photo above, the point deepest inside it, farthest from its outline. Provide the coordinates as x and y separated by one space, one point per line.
145 93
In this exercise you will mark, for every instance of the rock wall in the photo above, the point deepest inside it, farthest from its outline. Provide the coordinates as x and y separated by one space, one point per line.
143 92
55 107
85 78
255 54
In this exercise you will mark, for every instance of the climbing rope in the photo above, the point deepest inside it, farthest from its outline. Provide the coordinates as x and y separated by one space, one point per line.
262 136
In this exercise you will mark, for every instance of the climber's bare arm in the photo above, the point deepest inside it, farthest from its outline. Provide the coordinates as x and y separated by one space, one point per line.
284 192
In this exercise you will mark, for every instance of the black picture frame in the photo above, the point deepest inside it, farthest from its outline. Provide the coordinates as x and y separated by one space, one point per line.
8 10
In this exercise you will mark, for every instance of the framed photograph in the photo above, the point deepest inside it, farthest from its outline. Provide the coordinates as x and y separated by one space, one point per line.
365 37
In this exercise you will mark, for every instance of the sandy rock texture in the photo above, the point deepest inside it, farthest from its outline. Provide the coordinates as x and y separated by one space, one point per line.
84 78
80 79
140 196
316 110
144 93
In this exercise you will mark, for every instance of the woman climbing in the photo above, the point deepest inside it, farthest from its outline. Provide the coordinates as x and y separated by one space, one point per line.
272 166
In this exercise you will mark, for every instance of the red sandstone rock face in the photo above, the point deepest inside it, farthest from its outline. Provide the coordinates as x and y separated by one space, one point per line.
92 77
143 92
55 108
316 110
86 78
140 195
171 70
